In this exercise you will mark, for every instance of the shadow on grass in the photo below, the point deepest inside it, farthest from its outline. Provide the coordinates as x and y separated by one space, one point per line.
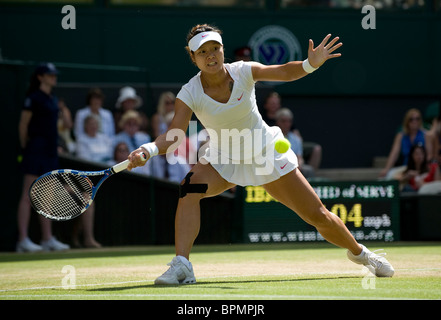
220 284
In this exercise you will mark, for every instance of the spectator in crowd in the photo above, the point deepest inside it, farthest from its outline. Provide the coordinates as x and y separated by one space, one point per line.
186 149
160 168
418 170
166 104
174 166
284 119
433 115
156 126
121 152
84 226
411 134
199 141
38 135
65 142
130 124
312 152
93 145
94 105
271 105
129 100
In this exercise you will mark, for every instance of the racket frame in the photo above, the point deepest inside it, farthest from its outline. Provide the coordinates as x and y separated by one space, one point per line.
85 174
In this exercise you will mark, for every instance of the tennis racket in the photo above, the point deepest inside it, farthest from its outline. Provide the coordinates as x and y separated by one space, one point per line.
65 194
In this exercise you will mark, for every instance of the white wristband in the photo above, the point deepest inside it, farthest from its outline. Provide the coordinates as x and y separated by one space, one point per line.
307 66
151 148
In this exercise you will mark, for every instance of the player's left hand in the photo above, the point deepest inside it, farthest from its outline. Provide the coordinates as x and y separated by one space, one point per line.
317 56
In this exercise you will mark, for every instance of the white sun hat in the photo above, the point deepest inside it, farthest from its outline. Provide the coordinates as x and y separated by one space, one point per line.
128 93
198 40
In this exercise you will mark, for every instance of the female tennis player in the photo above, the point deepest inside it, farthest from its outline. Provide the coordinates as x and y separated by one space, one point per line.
223 98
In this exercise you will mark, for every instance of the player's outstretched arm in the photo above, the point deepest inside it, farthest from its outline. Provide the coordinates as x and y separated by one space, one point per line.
163 144
295 70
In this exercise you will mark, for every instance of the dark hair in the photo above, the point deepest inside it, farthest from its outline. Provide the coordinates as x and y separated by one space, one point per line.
94 92
411 163
196 30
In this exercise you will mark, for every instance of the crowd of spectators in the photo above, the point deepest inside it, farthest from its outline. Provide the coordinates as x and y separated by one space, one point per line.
107 135
104 136
415 154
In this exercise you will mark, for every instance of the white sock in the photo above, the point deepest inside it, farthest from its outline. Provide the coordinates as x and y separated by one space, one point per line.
363 251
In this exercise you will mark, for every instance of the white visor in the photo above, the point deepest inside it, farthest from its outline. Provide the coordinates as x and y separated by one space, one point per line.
198 40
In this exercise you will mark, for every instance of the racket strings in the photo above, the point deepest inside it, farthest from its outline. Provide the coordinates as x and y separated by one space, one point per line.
61 196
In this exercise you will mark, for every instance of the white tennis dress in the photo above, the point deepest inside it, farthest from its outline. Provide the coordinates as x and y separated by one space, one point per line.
241 145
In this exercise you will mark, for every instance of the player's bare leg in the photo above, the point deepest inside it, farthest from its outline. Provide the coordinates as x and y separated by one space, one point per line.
188 220
188 213
295 192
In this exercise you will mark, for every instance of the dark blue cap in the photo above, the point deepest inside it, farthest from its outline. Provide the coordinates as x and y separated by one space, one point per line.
46 68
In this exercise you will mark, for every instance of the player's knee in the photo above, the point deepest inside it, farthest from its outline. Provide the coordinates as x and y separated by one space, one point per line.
191 199
321 218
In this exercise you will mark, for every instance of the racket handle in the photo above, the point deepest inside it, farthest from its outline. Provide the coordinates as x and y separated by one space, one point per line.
123 165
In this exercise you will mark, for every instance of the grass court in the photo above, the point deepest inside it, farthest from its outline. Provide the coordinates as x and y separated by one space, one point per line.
305 271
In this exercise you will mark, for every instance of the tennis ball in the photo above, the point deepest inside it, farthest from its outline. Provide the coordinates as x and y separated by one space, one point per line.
282 145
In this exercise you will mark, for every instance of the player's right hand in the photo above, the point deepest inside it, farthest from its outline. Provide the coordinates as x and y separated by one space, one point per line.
137 159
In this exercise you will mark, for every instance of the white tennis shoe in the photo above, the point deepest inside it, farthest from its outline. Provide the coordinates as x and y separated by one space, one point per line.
26 245
54 245
376 263
180 272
